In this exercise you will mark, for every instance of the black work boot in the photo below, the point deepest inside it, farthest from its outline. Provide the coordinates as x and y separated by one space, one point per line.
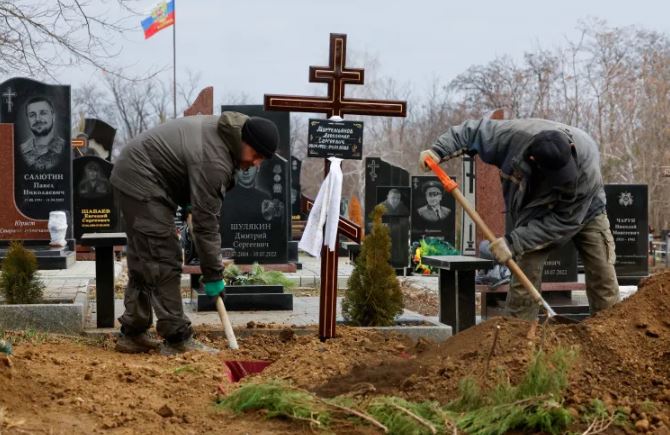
188 345
136 343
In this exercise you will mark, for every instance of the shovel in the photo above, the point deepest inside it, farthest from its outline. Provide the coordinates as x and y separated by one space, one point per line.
451 187
227 327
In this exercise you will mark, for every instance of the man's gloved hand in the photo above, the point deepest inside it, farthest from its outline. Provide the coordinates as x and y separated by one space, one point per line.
215 288
500 250
428 154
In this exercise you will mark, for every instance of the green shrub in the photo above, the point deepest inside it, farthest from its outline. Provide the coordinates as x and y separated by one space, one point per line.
18 282
373 297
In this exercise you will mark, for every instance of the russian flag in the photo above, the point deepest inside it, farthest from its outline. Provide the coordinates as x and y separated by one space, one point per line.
161 17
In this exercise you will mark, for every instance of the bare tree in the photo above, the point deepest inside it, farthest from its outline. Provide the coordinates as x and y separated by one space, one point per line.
38 36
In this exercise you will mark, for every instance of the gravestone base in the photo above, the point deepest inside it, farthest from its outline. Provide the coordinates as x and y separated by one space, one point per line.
246 298
48 258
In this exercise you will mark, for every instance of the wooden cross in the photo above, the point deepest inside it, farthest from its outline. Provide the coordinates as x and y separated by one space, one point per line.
336 75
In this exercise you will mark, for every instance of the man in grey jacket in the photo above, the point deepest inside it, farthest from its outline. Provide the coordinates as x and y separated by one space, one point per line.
553 193
186 161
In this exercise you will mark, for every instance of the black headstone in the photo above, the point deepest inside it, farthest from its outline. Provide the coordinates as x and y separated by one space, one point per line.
433 210
100 139
95 210
627 209
396 200
254 219
281 119
561 266
380 173
42 157
283 122
296 165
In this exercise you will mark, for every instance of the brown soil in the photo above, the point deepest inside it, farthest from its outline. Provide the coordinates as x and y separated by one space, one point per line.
64 385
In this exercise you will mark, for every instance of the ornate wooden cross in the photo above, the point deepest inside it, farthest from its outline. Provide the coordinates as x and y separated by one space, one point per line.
336 75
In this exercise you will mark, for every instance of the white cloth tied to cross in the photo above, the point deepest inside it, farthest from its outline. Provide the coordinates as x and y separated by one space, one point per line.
326 211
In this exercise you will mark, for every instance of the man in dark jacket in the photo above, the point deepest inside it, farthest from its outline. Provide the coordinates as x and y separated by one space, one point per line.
189 160
553 192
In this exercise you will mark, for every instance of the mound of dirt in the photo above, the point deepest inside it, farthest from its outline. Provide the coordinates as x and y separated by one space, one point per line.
624 356
67 385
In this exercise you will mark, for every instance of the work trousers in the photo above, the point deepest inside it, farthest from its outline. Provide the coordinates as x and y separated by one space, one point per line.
154 270
595 245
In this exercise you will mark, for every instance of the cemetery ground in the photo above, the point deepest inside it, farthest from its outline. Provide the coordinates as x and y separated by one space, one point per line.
618 375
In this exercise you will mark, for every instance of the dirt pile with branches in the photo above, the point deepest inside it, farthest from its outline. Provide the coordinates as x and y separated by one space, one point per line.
80 385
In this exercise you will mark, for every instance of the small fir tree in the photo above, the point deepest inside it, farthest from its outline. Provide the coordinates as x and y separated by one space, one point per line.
373 297
19 283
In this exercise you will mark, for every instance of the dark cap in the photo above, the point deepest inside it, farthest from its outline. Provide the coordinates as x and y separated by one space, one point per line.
262 135
552 153
432 183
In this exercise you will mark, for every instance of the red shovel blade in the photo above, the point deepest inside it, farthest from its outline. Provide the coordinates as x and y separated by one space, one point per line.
239 369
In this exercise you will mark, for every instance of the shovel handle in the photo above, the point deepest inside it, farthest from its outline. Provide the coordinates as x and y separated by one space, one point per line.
451 187
227 327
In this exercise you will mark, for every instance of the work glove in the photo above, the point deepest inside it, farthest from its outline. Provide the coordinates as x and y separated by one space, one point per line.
500 250
215 288
428 154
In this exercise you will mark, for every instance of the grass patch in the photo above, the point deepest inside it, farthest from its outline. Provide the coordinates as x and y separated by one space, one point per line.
534 404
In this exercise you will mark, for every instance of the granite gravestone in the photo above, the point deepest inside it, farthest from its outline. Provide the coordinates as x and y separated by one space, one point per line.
41 150
396 200
99 139
255 214
433 210
627 209
380 173
561 265
296 165
283 122
95 210
281 119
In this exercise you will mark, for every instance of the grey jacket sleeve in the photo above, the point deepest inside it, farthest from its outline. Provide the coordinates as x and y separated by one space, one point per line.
206 200
483 137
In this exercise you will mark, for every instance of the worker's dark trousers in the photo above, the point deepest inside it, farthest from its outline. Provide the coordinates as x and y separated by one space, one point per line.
154 270
596 249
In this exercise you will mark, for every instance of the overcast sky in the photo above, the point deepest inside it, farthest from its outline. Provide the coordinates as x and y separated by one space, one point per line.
266 46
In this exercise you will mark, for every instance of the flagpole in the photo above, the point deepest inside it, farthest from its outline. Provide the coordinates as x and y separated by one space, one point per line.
174 61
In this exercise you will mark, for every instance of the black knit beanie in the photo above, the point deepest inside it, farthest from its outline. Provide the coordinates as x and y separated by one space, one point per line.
262 135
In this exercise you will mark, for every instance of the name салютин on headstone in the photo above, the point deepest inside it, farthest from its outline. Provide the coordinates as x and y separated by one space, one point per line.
41 153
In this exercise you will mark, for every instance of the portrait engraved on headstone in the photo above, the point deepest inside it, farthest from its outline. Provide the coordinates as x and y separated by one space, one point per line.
433 210
396 217
42 156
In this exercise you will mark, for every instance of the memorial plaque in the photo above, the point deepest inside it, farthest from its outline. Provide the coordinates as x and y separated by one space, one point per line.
380 173
296 165
254 216
396 202
561 265
433 210
95 210
40 155
342 139
627 209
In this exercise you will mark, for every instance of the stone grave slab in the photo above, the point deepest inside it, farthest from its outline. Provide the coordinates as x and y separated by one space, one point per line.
37 168
95 208
628 212
433 210
254 216
396 200
380 173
